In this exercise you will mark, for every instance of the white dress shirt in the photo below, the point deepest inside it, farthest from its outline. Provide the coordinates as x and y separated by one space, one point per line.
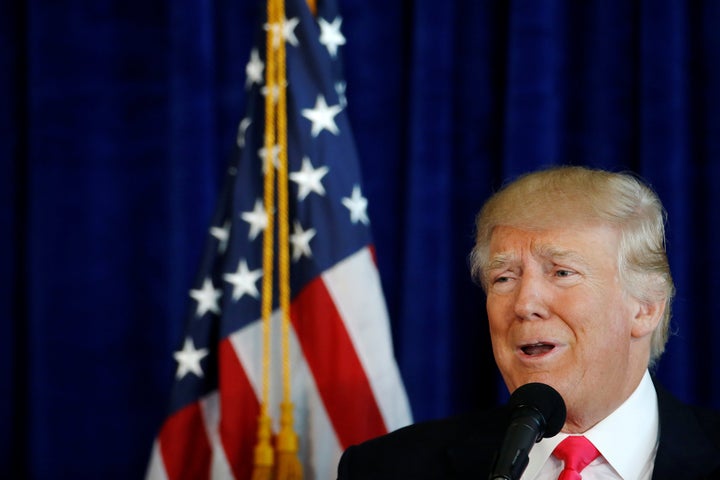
627 440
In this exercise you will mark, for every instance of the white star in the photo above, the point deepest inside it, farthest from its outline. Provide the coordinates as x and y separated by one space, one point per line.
284 30
300 240
207 298
276 30
288 30
243 281
257 218
254 69
274 154
242 128
308 179
357 204
322 116
340 88
274 91
189 359
330 35
222 234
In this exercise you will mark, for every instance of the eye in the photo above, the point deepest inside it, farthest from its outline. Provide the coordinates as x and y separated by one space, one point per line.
502 277
566 276
502 282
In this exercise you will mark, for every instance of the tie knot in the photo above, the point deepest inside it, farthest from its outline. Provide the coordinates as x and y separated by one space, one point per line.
576 452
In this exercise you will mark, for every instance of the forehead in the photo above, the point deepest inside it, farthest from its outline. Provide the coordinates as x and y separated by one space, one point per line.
586 243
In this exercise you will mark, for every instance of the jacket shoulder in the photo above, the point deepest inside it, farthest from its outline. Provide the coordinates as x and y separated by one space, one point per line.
689 444
424 450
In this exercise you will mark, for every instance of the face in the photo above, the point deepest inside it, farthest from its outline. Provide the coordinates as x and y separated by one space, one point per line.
558 315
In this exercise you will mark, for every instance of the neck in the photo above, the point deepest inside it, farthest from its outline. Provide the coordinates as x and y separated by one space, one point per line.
581 419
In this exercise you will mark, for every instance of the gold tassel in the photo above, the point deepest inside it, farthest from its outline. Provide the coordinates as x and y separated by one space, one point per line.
288 463
263 466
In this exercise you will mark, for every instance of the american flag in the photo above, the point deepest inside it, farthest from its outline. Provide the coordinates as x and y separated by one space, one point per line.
345 383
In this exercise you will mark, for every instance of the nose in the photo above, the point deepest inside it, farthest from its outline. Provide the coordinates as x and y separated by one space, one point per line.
531 302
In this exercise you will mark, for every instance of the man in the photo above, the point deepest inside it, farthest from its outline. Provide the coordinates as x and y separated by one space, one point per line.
578 286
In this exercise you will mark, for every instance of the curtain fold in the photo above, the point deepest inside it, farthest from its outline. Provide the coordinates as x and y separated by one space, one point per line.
118 119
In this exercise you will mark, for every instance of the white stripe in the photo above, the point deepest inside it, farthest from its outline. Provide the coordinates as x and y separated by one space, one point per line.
319 447
354 285
219 466
156 467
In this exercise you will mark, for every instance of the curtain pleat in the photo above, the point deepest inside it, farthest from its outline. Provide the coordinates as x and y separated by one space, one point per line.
118 119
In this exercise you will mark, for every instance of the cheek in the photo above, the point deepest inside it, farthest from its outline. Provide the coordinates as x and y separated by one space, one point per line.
497 306
497 318
605 331
499 324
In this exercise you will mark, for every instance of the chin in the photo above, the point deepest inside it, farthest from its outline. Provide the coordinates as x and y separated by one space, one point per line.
534 377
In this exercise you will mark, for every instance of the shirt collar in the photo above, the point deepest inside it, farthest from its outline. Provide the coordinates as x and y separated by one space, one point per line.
626 438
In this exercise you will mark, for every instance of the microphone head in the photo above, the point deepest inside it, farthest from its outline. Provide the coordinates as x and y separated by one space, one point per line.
545 400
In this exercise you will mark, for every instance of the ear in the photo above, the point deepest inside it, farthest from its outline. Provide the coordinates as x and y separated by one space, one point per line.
647 317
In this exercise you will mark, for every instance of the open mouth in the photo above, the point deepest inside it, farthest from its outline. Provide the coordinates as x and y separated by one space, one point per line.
536 349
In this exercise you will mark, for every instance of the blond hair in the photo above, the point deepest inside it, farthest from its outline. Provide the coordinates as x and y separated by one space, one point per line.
576 195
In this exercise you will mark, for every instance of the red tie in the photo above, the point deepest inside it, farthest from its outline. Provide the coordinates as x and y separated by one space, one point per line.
577 452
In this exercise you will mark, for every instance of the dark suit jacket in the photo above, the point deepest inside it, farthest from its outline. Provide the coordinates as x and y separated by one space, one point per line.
464 447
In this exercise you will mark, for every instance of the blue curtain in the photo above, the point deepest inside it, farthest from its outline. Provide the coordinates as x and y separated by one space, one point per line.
117 120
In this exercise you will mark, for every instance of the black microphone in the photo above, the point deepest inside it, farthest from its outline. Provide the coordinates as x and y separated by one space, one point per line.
538 411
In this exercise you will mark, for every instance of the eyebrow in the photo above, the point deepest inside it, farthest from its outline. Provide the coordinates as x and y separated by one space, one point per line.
500 260
556 253
503 259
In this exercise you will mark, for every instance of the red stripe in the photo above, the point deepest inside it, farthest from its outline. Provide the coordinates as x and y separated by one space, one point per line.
239 412
339 375
373 254
184 446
